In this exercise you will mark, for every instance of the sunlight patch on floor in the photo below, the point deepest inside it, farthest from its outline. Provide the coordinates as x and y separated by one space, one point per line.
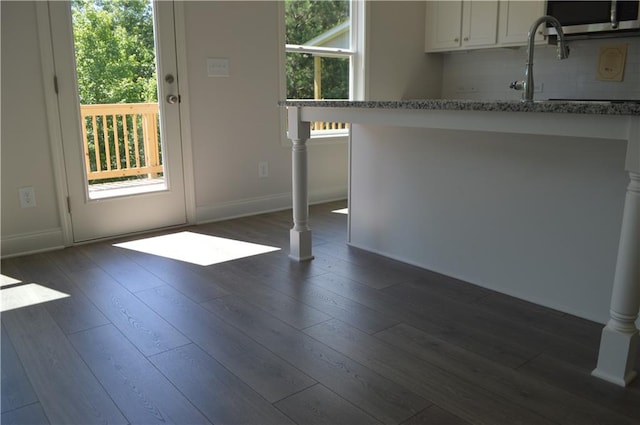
341 211
23 295
7 280
196 248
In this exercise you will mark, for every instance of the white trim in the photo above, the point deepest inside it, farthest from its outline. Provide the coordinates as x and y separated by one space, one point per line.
32 243
53 120
329 137
319 51
282 78
263 204
185 114
359 42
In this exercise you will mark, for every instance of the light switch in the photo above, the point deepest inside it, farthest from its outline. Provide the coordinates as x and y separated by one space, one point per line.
218 67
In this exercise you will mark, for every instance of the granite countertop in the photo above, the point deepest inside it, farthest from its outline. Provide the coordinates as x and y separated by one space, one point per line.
553 106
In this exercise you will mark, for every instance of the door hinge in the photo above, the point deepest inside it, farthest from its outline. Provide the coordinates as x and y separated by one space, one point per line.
55 83
69 204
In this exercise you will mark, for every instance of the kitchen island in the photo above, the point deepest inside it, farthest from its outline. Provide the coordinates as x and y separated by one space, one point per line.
528 199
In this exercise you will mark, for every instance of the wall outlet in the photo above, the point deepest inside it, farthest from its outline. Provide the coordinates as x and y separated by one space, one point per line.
466 88
27 197
263 169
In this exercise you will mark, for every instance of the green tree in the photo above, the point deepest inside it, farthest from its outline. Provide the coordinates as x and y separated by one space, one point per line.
305 20
115 63
115 56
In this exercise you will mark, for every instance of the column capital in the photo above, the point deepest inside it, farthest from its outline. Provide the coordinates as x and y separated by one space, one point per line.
297 130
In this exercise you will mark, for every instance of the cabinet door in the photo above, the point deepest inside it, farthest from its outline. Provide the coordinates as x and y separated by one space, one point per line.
479 23
516 18
443 25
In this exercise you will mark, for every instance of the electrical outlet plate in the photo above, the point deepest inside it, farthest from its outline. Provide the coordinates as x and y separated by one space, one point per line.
466 88
263 169
27 197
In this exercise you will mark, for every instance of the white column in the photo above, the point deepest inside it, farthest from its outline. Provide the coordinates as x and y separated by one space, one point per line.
300 235
619 342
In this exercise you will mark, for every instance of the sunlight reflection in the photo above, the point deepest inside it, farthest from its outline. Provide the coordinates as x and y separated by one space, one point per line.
197 248
7 280
341 211
26 295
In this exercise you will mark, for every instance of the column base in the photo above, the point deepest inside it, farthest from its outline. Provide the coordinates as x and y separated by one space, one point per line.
300 245
617 356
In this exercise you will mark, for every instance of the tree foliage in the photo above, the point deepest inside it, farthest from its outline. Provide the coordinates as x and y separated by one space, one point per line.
115 55
305 20
115 50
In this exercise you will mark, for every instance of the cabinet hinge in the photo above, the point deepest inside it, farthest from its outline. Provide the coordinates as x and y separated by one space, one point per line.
69 204
55 83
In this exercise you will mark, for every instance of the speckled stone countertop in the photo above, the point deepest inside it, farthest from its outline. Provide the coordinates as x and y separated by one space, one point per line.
553 106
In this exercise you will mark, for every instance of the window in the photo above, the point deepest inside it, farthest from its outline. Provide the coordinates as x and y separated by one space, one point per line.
323 53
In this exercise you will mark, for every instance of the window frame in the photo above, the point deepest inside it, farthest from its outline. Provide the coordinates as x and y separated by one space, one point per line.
356 67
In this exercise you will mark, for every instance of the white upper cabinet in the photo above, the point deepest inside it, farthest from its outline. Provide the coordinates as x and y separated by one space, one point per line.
443 25
454 25
515 20
479 23
474 24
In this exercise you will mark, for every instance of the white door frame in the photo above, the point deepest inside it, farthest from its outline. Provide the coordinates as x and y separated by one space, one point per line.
55 128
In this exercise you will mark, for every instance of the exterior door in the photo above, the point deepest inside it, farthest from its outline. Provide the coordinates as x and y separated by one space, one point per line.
123 161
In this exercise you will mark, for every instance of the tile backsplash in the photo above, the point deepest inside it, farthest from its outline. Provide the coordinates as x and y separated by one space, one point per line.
486 74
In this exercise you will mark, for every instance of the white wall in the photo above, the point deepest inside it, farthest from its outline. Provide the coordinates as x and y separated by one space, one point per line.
235 121
26 156
490 71
536 217
398 68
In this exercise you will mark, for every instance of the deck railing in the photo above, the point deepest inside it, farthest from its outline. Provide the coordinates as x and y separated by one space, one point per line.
121 140
319 126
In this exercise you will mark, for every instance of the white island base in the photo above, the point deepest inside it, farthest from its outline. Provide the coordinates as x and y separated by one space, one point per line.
525 203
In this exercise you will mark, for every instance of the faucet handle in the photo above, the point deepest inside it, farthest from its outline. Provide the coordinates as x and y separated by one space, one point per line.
517 85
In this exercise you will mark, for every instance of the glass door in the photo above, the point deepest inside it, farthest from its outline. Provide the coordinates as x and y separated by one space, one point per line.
115 63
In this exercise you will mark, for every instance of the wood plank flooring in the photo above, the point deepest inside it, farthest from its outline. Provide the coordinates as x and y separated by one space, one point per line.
348 338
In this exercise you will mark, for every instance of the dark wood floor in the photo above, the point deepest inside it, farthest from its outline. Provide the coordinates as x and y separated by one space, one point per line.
349 338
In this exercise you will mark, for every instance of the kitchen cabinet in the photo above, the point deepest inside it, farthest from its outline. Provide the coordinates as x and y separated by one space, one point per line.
515 19
455 25
472 24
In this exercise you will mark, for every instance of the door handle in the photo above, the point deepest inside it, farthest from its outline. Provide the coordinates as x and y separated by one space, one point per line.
172 98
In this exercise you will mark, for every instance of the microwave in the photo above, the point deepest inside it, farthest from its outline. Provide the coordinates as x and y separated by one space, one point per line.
583 17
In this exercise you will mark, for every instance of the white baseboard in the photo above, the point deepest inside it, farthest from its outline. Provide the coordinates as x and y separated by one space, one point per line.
263 204
52 239
32 243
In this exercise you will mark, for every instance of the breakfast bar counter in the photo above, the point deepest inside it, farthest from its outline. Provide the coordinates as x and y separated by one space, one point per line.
501 194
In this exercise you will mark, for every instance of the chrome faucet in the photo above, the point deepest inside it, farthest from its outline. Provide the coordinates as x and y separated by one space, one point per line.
563 53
